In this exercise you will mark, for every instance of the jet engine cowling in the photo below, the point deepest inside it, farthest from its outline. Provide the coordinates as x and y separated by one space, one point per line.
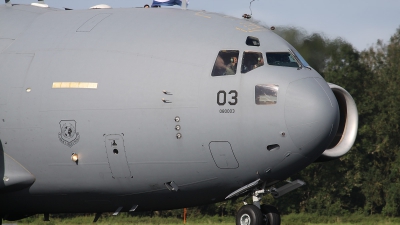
347 130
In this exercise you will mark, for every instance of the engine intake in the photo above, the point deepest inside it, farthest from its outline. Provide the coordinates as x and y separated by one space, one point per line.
347 130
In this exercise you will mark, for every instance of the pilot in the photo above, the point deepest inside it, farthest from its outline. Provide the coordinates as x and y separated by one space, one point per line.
231 67
146 6
259 63
251 61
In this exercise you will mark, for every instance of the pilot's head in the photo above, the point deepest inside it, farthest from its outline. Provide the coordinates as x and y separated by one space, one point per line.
234 60
146 6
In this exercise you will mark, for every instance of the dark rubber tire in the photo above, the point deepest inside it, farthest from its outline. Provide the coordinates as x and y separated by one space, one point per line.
249 215
272 215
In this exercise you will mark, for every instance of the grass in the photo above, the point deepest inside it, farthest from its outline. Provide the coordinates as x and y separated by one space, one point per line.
354 219
125 219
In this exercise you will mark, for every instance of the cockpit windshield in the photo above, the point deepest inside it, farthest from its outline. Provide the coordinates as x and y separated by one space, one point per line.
281 59
226 63
251 61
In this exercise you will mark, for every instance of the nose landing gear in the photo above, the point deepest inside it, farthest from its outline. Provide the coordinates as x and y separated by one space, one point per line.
252 215
257 214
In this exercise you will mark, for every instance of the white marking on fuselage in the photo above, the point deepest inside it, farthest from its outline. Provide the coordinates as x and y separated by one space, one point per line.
86 85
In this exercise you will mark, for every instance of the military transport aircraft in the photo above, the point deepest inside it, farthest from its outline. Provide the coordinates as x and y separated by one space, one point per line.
121 110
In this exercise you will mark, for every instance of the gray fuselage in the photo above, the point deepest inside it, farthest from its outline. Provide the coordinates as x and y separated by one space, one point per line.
108 85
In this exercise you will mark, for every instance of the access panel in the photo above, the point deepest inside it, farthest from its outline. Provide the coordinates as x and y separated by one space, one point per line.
223 155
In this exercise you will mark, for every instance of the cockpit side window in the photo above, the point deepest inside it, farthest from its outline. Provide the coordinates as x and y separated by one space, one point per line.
226 63
281 59
251 61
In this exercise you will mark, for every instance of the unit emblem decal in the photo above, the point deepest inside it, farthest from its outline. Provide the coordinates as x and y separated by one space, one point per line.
68 135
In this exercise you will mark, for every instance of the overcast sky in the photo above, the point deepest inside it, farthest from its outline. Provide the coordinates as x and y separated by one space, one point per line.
360 22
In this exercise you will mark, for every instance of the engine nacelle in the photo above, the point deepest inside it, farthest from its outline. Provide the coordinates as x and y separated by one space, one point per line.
347 130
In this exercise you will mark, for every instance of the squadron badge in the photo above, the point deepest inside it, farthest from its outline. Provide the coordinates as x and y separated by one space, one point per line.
68 135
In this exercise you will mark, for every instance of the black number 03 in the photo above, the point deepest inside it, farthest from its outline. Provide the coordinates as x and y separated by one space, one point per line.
221 97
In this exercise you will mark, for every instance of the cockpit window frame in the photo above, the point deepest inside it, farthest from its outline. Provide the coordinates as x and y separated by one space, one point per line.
223 66
260 63
296 58
300 59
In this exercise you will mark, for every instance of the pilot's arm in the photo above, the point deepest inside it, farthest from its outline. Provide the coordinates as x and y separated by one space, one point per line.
231 67
229 71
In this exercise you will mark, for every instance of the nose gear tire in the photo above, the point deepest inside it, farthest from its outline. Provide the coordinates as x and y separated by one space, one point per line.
249 215
272 214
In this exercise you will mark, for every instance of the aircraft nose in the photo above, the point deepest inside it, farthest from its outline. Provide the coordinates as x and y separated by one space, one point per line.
311 115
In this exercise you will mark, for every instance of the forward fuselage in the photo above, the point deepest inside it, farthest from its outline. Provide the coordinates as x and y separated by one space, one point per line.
130 92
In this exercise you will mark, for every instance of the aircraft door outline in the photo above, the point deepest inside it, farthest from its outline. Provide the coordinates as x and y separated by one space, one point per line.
116 156
223 155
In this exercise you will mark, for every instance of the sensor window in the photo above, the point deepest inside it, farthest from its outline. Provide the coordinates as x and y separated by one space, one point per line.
226 63
266 94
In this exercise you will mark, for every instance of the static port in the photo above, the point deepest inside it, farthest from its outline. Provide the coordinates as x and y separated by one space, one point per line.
115 151
273 147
